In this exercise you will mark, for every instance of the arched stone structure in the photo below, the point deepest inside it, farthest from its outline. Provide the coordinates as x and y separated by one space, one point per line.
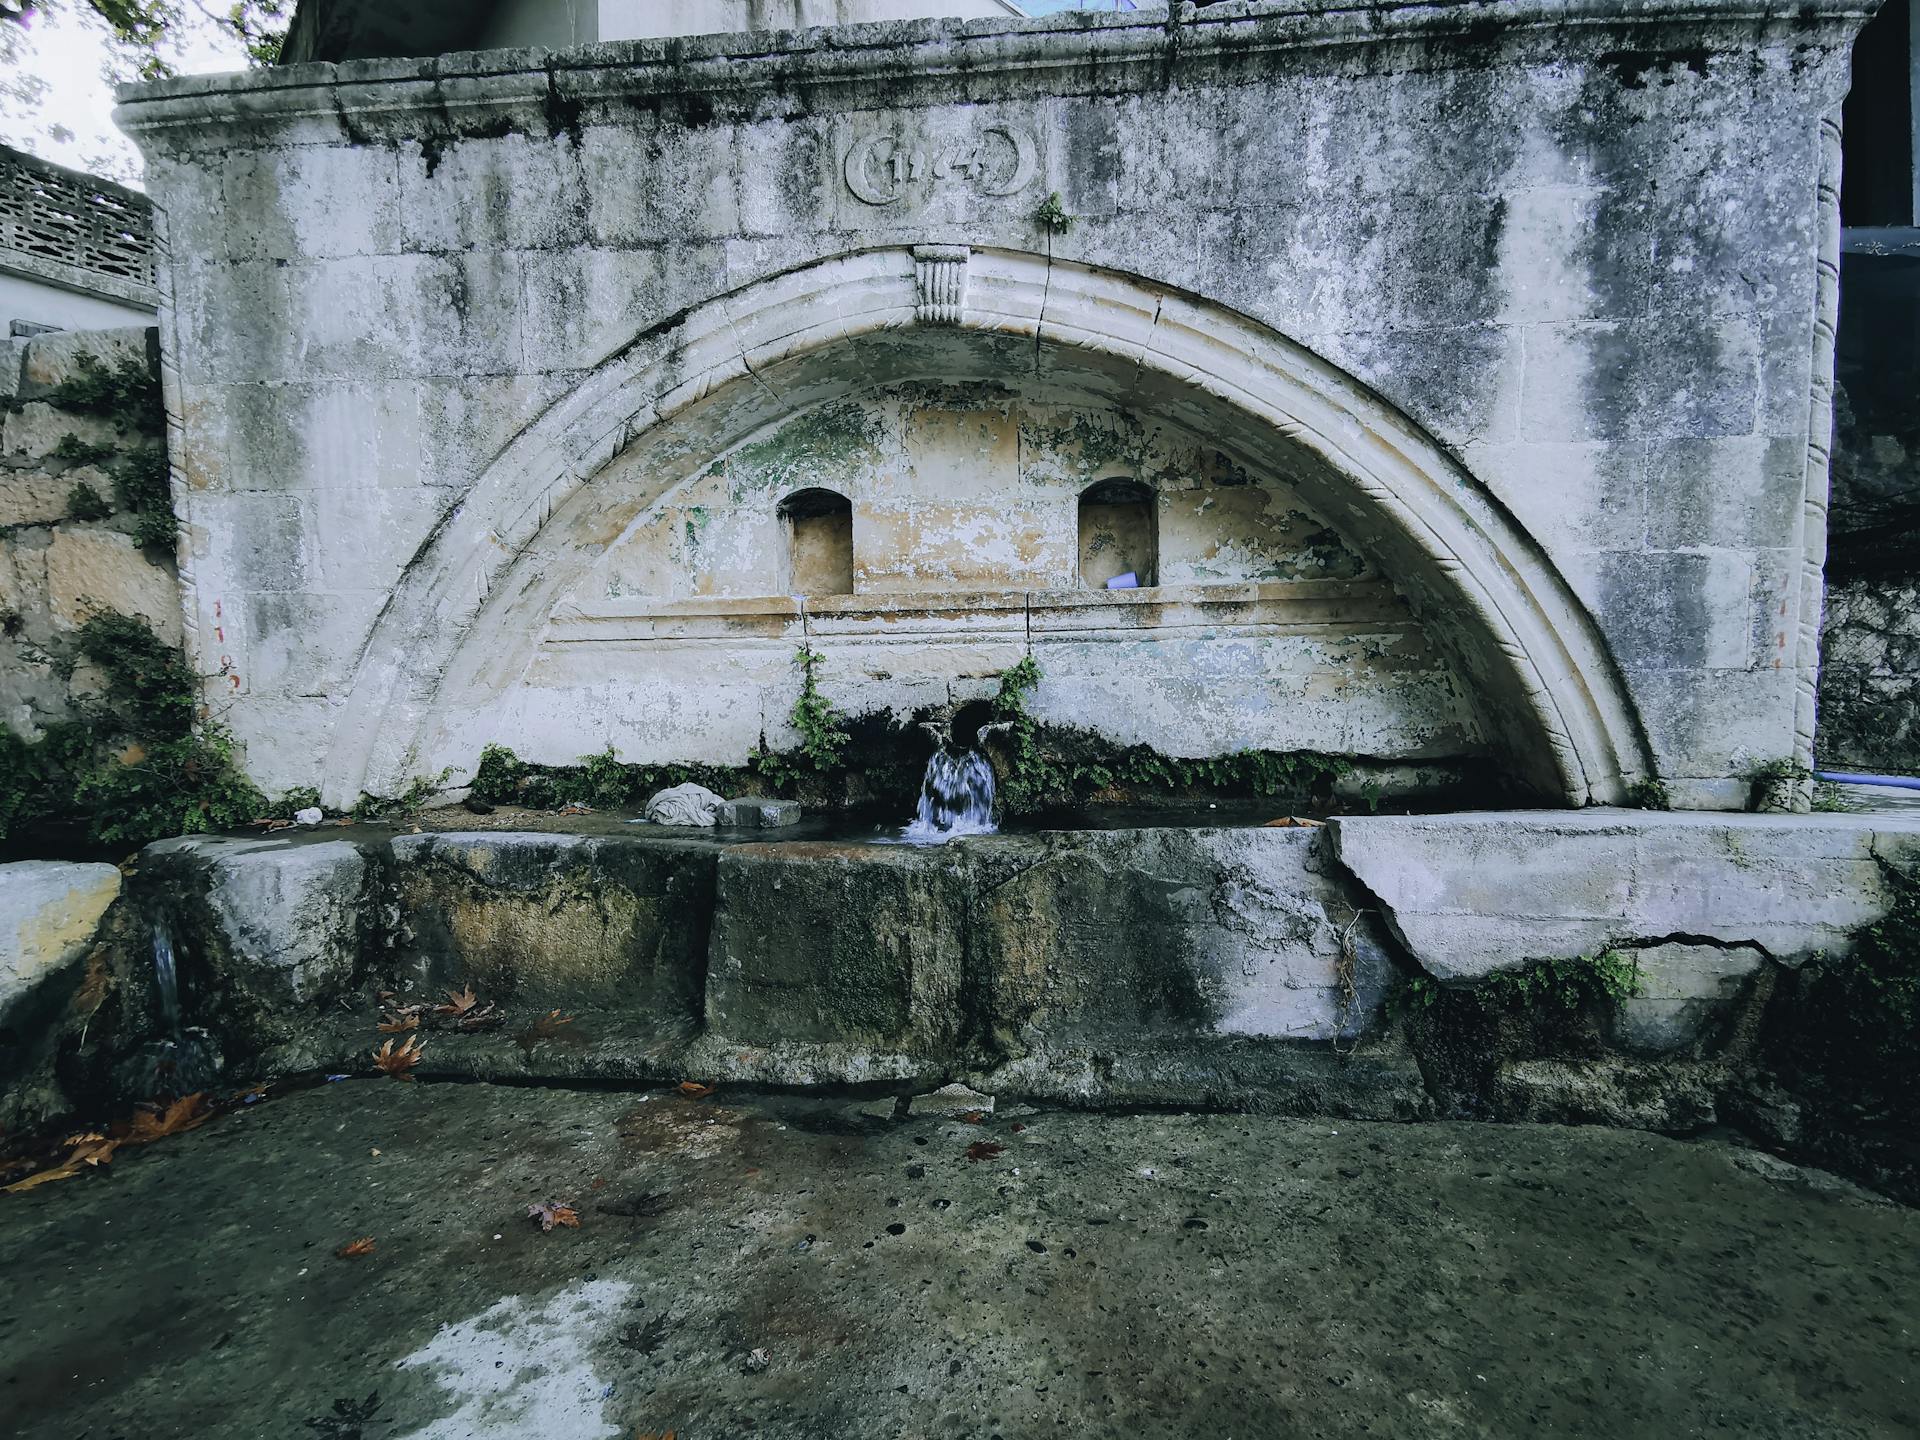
466 614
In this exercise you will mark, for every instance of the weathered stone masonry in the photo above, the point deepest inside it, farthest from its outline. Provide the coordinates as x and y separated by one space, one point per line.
58 568
1528 303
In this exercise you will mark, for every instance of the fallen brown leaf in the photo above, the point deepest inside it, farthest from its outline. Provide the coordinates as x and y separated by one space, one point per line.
973 1117
59 1172
354 1249
984 1150
480 1019
398 1024
463 1002
398 1062
694 1090
554 1212
97 1152
157 1122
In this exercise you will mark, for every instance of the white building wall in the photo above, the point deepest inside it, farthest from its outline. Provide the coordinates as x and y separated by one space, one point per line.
637 19
43 304
547 24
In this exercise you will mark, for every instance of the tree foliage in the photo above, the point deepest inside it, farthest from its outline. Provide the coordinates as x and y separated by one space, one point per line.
148 33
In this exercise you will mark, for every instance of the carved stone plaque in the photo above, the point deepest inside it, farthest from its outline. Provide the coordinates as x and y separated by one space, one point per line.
996 159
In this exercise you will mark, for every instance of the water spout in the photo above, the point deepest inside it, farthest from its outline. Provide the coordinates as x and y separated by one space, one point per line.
180 1059
166 981
956 798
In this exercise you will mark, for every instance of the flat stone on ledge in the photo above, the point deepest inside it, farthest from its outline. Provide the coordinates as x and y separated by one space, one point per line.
758 812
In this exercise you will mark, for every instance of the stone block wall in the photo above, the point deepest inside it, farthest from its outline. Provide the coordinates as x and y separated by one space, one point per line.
1870 677
61 558
1870 662
1578 275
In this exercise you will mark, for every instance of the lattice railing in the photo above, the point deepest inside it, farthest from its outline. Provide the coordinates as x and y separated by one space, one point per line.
66 218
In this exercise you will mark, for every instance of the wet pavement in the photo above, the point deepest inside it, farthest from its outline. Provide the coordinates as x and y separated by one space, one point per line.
784 1267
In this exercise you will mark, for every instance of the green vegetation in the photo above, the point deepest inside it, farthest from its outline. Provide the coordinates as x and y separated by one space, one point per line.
1046 769
1563 987
1649 794
147 36
73 449
600 782
127 393
404 806
823 733
605 782
133 766
85 503
1829 798
1858 1017
1567 985
1052 216
143 485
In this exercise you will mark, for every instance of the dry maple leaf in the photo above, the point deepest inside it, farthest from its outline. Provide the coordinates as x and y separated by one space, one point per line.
398 1062
694 1090
463 1002
354 1249
554 1212
654 1434
150 1123
398 1024
973 1117
984 1150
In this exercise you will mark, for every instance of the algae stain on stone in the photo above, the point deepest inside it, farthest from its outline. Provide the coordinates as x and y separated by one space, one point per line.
822 445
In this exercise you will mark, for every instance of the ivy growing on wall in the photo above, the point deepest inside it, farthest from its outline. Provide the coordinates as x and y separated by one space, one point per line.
1044 767
600 782
133 766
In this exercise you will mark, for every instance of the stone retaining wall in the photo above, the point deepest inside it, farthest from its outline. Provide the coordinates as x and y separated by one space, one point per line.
61 561
1870 677
1381 967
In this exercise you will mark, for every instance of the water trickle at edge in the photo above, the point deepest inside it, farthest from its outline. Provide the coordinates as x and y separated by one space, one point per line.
165 980
956 798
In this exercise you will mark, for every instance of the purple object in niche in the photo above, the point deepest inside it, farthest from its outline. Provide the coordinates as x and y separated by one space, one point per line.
1128 581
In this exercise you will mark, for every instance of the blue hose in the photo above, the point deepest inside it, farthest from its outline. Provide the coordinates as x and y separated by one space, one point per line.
1897 782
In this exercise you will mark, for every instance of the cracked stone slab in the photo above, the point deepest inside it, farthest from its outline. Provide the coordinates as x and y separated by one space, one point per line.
1471 894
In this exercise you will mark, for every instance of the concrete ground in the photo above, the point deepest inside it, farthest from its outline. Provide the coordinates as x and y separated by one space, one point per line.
779 1267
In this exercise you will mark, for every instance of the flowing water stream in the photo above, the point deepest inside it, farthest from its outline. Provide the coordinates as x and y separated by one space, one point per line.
956 798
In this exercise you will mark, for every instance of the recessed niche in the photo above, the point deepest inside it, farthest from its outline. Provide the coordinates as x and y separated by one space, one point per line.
1119 533
819 527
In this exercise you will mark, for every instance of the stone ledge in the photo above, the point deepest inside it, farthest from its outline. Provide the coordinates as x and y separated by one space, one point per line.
49 911
937 50
1471 894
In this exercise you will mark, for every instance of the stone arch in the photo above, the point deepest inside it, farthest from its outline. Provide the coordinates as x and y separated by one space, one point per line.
1559 712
